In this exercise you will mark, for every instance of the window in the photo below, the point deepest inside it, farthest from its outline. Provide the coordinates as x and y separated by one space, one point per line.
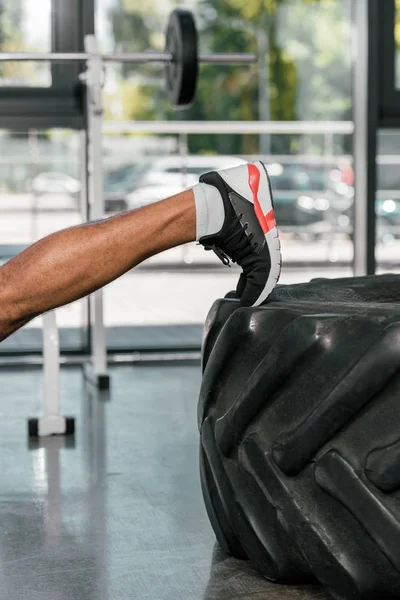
42 94
22 31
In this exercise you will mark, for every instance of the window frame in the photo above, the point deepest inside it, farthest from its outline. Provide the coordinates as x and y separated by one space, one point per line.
62 104
389 100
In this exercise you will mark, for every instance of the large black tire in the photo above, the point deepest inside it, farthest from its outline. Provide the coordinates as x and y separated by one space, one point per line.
299 416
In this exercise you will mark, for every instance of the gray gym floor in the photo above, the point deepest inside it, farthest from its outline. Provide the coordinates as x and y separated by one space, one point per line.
121 514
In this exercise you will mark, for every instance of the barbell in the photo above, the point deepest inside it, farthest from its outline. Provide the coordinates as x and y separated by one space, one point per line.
181 57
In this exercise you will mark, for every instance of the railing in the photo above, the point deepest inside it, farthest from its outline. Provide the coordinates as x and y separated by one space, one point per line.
325 153
230 127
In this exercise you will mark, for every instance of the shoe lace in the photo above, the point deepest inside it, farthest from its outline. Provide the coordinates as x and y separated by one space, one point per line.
241 243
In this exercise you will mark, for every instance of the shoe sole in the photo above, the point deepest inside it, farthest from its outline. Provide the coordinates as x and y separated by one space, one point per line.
260 186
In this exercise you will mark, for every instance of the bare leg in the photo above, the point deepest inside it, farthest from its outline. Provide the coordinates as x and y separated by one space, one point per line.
75 262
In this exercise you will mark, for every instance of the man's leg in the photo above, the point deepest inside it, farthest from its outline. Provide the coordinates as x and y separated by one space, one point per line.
230 212
73 263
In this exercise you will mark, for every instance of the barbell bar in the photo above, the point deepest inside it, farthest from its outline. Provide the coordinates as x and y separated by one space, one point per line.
221 58
181 57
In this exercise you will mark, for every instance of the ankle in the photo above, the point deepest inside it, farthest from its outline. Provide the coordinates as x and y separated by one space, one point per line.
176 222
183 217
210 210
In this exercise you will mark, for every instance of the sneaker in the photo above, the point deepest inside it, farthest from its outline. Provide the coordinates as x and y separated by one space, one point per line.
249 236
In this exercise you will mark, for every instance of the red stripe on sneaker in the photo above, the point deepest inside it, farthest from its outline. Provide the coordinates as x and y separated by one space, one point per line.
270 218
267 222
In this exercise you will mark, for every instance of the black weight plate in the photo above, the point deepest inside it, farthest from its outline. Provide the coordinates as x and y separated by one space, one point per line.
182 72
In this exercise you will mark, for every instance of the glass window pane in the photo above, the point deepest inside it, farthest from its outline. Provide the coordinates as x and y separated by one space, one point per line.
25 26
40 194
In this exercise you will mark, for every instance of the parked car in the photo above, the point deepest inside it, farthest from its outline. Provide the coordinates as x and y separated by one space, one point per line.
55 182
308 197
305 195
339 211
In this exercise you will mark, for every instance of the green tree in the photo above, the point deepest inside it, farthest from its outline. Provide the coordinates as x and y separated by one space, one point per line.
240 27
307 65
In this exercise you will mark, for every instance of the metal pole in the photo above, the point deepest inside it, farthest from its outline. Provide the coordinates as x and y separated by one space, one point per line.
219 58
365 139
83 176
51 423
264 109
228 58
183 152
34 152
42 56
229 127
96 192
133 57
84 212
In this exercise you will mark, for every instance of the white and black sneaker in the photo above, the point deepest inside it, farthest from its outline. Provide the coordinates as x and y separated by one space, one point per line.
249 236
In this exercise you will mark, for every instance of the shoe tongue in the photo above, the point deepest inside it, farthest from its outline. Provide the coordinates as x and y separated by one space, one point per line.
208 241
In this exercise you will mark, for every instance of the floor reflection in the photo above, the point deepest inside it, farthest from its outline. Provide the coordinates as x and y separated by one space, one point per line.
120 515
53 542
